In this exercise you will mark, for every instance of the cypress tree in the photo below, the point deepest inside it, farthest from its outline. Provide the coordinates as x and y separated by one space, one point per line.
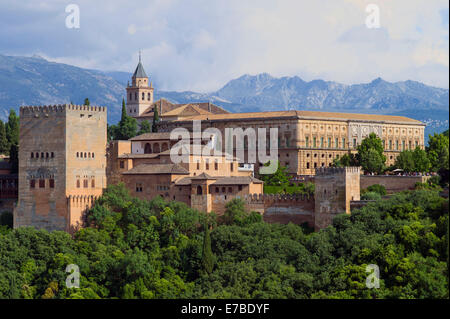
12 129
86 102
207 254
124 111
155 119
3 139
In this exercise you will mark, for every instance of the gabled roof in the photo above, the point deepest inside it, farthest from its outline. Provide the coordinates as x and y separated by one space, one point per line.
140 72
164 106
187 110
155 169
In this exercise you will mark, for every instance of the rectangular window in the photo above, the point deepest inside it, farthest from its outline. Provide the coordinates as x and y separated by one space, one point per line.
410 145
396 145
354 142
122 164
138 187
307 141
314 142
343 143
336 143
207 164
390 144
384 144
93 183
85 183
403 145
52 183
78 183
307 165
32 183
216 165
417 143
240 187
198 165
329 142
321 142
231 167
42 183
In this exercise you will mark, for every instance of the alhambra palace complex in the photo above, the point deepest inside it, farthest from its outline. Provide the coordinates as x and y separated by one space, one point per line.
65 161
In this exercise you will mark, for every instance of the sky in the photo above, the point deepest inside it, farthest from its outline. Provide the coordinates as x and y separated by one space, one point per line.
200 45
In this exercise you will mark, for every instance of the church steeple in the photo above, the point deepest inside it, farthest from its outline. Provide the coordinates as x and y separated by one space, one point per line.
140 93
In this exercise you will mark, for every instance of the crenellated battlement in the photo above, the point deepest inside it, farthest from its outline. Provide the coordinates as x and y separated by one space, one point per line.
48 109
277 198
328 171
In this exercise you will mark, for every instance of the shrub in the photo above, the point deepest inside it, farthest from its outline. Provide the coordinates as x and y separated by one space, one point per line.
371 196
377 188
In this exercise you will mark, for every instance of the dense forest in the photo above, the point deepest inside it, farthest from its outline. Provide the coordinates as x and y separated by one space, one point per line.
157 249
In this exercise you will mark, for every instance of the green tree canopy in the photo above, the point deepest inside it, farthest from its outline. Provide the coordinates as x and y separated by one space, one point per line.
370 154
145 127
279 178
86 102
127 127
438 151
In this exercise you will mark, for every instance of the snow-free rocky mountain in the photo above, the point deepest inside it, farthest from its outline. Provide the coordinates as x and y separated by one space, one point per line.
36 81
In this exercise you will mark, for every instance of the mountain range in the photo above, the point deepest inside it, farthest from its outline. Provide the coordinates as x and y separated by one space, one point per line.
36 81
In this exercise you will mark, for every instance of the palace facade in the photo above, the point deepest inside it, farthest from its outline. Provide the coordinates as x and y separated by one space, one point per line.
306 139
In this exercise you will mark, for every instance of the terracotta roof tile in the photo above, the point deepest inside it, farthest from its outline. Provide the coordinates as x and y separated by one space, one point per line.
154 169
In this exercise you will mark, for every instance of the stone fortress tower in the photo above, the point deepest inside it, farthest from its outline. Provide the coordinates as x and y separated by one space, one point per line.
62 163
335 187
139 93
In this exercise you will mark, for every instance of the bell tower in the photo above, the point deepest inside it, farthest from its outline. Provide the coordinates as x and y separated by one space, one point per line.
140 92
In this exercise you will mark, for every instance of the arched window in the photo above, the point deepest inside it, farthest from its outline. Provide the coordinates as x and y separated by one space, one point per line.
199 190
53 155
164 147
42 155
156 148
37 155
147 148
85 155
93 155
89 154
148 96
46 155
135 96
143 96
32 155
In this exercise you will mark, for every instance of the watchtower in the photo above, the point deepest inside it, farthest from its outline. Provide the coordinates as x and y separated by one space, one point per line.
62 156
335 187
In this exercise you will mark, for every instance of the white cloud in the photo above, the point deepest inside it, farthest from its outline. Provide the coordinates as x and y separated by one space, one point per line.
201 44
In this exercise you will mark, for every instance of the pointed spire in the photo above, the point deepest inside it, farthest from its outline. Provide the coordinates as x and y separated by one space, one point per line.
140 72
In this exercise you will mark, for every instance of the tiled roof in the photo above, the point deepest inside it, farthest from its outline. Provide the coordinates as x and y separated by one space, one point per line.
166 106
152 136
187 109
153 169
304 115
131 155
139 72
221 180
237 180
